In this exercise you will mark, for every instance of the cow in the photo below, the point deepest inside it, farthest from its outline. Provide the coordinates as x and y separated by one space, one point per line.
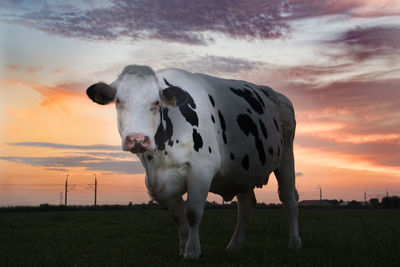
196 134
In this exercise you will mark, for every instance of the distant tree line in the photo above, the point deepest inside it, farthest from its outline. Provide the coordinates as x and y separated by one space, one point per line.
392 202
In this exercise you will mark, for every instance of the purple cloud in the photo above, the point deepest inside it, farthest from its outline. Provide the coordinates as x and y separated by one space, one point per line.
187 22
65 146
369 42
89 157
184 22
88 162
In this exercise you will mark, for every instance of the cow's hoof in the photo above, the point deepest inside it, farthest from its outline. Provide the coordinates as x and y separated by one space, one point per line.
295 243
191 255
233 247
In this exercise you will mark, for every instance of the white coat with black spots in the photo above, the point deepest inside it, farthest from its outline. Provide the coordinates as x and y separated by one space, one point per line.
196 134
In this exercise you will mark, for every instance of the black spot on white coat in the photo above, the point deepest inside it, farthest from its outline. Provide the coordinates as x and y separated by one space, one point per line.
171 143
245 162
248 96
163 134
276 125
212 100
263 129
197 140
270 150
187 110
223 126
247 125
257 95
265 92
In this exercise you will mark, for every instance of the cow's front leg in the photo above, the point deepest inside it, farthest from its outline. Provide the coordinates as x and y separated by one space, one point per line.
177 211
198 187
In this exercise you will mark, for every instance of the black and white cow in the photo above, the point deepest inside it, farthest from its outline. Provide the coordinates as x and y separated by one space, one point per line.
196 133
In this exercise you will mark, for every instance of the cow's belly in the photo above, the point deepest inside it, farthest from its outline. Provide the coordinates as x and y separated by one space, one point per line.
242 168
232 179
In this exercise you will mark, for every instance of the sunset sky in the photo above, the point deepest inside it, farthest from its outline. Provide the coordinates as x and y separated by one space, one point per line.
338 61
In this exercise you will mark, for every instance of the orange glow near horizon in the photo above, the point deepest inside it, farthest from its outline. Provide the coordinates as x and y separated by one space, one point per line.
74 118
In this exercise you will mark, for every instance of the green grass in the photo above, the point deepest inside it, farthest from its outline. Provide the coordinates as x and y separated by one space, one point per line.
331 237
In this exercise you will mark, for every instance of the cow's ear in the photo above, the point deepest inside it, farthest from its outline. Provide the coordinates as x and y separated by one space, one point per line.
101 93
173 96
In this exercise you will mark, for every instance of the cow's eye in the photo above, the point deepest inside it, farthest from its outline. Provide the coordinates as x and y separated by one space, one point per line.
119 103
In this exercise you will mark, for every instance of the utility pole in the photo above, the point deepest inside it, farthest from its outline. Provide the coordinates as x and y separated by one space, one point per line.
66 190
365 198
95 190
320 194
61 198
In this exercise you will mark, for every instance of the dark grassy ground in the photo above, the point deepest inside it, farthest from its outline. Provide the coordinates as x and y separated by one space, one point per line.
331 237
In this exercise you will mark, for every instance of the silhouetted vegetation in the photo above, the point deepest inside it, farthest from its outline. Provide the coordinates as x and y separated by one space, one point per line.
391 202
374 203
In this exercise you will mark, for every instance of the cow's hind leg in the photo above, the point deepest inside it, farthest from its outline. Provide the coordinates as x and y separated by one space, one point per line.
288 195
177 211
246 205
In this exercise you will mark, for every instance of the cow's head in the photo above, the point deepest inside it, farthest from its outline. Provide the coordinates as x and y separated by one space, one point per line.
139 99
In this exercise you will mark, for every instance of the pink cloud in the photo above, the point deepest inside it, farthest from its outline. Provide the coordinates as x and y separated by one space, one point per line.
353 8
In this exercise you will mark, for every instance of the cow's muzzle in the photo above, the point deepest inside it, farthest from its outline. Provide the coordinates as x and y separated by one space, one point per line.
136 143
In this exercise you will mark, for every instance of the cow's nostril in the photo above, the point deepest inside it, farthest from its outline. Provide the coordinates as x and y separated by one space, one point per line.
146 140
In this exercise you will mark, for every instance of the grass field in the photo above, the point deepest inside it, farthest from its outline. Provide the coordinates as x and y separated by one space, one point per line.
331 237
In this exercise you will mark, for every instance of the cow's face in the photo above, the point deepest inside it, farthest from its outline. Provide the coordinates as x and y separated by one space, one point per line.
139 101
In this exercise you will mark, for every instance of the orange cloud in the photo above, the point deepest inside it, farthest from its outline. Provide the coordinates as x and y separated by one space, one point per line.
54 97
356 162
33 69
11 67
59 71
28 69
